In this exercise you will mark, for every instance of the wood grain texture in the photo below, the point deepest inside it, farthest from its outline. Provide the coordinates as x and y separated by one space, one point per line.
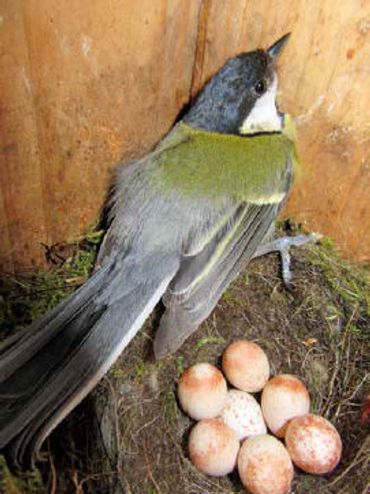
22 220
89 83
93 82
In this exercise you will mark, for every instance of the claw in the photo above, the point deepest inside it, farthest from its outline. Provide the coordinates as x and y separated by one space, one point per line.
282 245
285 267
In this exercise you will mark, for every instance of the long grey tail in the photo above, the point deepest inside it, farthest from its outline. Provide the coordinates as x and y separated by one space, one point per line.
47 369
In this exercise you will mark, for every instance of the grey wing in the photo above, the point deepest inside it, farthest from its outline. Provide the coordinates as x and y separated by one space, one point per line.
202 278
213 243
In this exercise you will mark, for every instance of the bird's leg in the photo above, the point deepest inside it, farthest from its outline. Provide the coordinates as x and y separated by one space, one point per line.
282 245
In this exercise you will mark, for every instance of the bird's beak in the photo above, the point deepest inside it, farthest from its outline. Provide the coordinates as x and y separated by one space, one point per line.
275 49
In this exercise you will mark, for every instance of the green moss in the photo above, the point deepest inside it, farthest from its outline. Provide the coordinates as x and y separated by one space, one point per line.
24 299
117 373
333 312
151 490
170 407
210 340
29 483
350 282
140 369
229 298
179 365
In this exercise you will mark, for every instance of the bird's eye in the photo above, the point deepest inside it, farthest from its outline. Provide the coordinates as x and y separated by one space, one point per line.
260 87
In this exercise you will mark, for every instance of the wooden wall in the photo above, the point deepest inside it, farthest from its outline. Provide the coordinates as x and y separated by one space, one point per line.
84 83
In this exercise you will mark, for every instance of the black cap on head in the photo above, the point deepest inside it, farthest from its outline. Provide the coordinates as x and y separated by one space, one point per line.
228 98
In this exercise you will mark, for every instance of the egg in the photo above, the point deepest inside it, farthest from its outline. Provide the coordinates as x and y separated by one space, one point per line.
243 414
213 447
246 366
264 465
313 444
202 391
283 398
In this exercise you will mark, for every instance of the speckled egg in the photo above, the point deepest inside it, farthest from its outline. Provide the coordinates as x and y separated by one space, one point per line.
242 413
202 391
264 466
313 444
246 366
213 447
283 398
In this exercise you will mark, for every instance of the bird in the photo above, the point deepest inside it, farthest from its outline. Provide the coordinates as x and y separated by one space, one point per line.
183 222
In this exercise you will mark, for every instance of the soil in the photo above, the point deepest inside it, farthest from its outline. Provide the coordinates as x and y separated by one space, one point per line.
130 435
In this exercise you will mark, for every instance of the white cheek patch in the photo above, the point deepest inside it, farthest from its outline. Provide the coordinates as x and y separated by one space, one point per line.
264 116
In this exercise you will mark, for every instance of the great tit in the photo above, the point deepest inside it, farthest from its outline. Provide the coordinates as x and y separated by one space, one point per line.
184 221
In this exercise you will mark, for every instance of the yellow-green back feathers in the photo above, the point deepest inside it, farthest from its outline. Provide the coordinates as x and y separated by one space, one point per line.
209 164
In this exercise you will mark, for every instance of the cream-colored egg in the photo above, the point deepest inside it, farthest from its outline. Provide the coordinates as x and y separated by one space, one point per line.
202 391
283 398
243 414
213 447
246 366
313 444
264 465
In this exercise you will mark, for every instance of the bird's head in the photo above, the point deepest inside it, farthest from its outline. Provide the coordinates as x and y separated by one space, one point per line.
240 97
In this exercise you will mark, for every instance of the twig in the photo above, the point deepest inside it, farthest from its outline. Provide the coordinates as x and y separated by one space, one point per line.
150 474
147 424
78 484
116 424
53 487
338 358
357 389
356 461
367 489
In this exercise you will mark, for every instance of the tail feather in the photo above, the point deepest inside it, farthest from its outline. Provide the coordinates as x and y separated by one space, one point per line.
61 358
19 348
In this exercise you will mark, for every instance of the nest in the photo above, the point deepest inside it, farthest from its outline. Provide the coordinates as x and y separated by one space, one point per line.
129 436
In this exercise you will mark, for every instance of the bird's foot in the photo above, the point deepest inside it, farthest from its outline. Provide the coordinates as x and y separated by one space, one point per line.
282 245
